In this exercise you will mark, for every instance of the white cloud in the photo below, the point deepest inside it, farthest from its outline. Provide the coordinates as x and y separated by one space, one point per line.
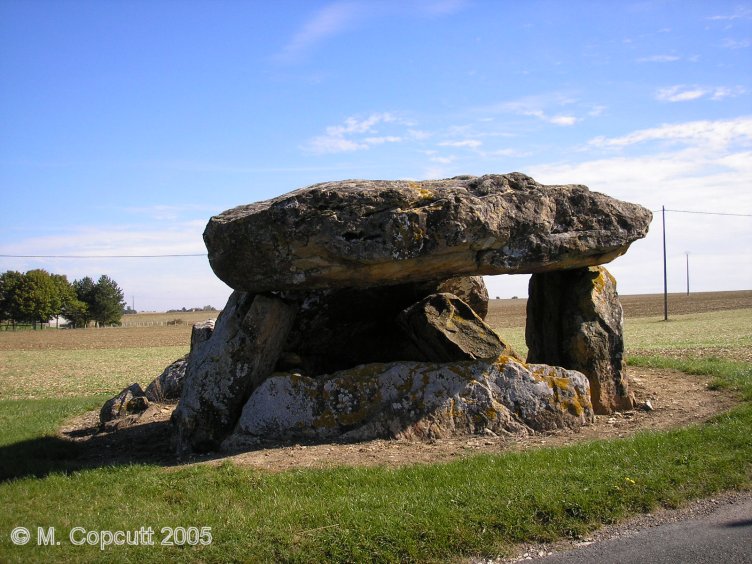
729 43
344 16
563 120
701 133
330 20
381 140
444 160
682 93
741 12
468 143
659 59
349 135
710 171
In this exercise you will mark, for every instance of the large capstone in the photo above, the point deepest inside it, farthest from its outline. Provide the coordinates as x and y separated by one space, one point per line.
575 320
366 233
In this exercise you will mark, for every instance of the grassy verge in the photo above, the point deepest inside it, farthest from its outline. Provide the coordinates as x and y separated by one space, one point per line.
478 506
727 374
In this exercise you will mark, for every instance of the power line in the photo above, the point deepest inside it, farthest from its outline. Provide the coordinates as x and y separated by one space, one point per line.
102 256
705 212
204 254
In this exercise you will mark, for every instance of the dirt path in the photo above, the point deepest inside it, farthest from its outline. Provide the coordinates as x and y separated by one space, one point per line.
678 400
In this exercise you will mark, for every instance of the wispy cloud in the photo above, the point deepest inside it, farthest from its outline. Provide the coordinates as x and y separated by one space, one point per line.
659 59
467 143
354 134
341 17
740 13
561 119
545 107
331 20
682 93
718 133
730 43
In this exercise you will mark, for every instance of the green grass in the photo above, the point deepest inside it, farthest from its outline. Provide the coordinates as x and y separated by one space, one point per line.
79 372
725 330
478 506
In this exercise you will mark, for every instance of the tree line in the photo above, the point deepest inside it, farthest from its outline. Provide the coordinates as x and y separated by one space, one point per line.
38 296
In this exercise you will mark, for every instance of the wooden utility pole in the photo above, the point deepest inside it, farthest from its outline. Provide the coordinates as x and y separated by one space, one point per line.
665 273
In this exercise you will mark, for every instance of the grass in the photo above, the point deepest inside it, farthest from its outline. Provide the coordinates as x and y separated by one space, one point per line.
70 373
478 506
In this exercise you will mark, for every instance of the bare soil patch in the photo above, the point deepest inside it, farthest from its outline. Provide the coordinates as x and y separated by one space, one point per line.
678 400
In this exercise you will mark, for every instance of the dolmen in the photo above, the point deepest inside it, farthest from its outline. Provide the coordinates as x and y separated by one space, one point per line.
358 312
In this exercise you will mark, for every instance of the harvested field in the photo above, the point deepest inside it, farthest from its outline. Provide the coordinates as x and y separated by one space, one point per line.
511 313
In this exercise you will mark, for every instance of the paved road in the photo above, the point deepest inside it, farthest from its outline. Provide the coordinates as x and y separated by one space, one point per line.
719 537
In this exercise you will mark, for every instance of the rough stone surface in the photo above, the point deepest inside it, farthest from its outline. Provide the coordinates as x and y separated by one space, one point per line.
470 289
443 328
223 371
416 400
362 233
132 400
201 332
169 385
342 328
575 320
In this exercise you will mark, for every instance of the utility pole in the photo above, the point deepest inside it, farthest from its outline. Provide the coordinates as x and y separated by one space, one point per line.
665 274
687 253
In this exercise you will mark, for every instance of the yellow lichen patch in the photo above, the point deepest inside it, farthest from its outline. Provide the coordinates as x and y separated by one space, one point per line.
326 421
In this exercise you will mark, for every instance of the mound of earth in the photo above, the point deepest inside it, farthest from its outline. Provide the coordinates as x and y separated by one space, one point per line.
678 400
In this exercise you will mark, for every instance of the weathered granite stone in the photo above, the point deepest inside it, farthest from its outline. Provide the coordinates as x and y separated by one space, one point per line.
132 400
416 400
342 328
201 332
443 328
361 233
169 384
224 370
470 289
575 320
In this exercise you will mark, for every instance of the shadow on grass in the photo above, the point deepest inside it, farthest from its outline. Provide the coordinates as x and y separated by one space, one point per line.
148 443
88 446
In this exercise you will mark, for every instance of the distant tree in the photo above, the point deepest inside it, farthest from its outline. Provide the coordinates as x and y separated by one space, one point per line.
79 312
10 281
38 297
108 304
66 294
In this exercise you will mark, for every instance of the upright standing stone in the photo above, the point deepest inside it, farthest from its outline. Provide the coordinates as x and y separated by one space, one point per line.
575 320
223 370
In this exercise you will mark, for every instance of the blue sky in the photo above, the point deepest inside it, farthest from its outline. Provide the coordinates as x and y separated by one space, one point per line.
125 125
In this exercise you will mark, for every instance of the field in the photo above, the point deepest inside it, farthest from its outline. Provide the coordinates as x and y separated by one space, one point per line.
476 502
